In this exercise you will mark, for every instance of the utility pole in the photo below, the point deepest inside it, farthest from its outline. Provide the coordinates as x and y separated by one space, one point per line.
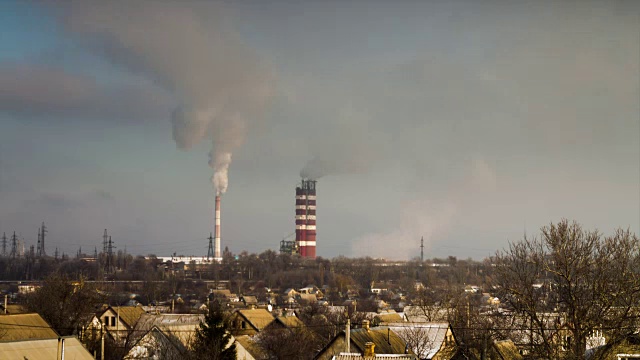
422 249
4 244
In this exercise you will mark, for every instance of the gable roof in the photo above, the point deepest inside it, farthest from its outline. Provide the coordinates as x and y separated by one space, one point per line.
128 314
249 346
155 339
180 325
43 349
386 340
25 327
258 318
289 321
14 309
507 350
388 318
432 336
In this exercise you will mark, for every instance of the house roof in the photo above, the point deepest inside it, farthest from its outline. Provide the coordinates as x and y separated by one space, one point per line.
258 318
157 337
250 299
181 325
250 346
128 314
389 318
290 321
14 309
43 349
25 326
507 350
432 335
386 341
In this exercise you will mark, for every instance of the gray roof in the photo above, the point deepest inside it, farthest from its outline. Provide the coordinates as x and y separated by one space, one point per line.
432 336
43 349
182 326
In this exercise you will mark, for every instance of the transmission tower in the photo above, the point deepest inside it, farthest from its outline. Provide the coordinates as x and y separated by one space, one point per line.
4 244
43 232
14 245
422 249
39 246
105 241
110 248
210 252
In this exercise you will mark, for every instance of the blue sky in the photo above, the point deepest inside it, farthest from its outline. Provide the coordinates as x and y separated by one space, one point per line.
465 122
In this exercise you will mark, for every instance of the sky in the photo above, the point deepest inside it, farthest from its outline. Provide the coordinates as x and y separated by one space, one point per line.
466 123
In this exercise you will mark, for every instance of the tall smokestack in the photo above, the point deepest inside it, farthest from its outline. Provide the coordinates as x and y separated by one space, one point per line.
216 237
306 218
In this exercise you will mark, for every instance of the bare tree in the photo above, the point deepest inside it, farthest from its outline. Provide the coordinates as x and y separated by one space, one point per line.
570 283
297 343
65 304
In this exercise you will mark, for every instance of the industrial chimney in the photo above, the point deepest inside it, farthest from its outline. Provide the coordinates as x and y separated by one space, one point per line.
217 256
306 218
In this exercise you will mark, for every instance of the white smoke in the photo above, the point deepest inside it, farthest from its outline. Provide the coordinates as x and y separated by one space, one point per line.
185 47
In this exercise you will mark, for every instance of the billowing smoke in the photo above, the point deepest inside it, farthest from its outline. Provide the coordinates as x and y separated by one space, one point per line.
218 82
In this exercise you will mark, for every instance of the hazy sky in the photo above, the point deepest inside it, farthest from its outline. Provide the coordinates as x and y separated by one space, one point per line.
466 122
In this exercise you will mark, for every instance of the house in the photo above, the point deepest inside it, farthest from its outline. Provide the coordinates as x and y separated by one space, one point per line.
156 344
424 313
385 318
13 309
43 349
504 350
287 322
175 327
117 320
378 287
25 327
249 301
428 340
250 321
383 338
247 349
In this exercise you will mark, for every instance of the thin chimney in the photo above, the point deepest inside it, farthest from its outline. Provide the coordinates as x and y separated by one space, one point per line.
216 238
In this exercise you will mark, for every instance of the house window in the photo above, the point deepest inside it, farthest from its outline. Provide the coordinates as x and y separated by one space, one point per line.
113 321
244 325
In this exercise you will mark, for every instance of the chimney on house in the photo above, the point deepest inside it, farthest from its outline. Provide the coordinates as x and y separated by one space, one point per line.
365 325
369 349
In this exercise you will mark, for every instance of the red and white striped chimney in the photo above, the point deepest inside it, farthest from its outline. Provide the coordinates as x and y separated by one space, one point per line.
216 237
306 218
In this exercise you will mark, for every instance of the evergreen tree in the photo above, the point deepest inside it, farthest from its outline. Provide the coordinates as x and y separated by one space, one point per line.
212 340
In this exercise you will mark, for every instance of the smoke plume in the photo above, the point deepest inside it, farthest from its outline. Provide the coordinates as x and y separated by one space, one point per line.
220 86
